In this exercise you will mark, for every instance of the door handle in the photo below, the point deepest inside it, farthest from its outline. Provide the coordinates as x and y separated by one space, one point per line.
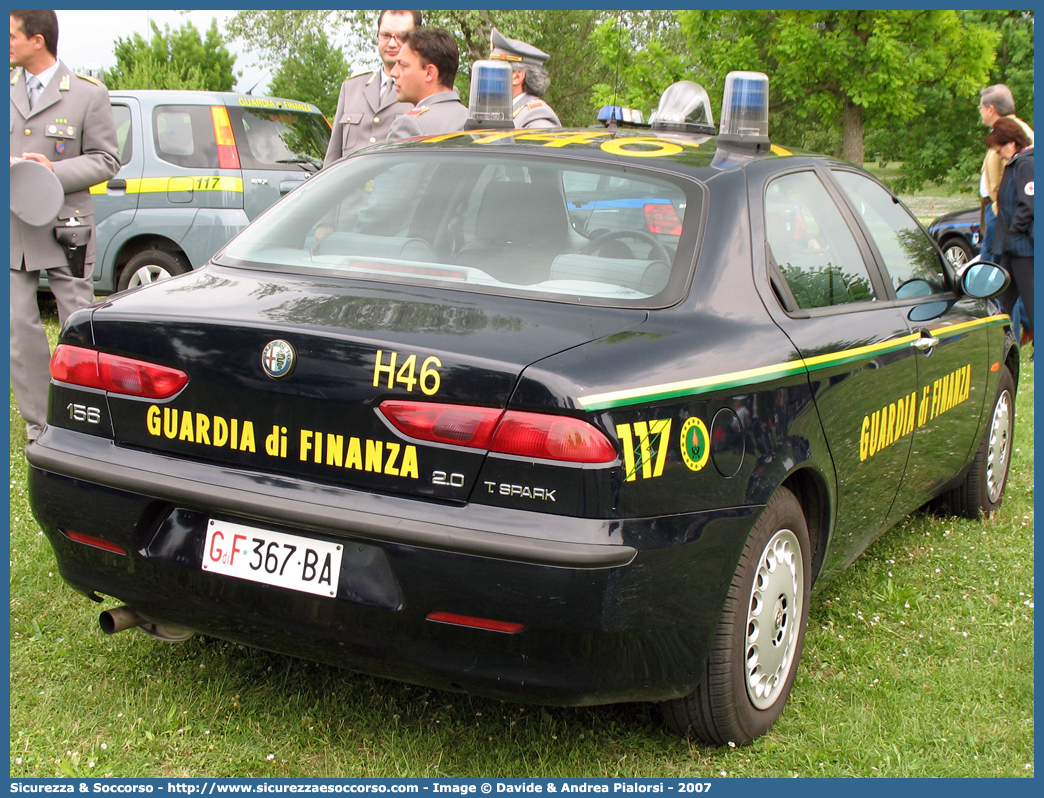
926 343
117 184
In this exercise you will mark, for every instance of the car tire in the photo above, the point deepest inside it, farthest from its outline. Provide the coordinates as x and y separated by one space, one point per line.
151 266
957 252
751 667
982 491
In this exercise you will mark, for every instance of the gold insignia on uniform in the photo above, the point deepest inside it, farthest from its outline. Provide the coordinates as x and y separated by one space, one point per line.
95 81
15 74
66 83
372 76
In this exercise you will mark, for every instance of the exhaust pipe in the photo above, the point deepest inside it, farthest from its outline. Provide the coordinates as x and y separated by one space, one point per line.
119 619
122 618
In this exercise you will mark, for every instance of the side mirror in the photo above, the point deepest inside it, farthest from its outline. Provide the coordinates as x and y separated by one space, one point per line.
984 280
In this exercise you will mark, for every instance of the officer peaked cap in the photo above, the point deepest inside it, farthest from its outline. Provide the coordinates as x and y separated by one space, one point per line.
512 50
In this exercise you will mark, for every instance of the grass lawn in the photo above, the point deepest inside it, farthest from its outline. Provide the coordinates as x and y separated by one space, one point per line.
918 662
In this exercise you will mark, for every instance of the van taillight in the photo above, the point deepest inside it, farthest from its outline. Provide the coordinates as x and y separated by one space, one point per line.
92 369
228 155
538 435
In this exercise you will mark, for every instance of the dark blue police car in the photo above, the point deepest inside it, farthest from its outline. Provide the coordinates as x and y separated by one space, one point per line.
440 415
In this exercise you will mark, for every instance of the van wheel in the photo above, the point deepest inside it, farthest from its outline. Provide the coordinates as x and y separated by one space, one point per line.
151 266
983 488
754 656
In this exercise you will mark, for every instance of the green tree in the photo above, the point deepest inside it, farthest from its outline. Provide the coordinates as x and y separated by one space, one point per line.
844 69
574 65
312 75
180 59
945 143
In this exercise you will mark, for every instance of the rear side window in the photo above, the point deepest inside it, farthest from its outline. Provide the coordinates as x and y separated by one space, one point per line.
812 245
184 135
269 138
910 258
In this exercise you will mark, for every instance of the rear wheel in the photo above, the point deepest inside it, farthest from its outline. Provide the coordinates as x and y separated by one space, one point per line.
983 487
151 266
756 649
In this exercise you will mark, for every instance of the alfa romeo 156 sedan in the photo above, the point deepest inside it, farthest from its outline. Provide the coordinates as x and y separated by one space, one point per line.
561 416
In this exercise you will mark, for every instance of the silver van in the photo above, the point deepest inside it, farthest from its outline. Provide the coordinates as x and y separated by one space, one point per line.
195 168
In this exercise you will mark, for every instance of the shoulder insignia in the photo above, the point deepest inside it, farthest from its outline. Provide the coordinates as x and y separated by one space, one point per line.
415 112
65 81
536 104
372 76
15 74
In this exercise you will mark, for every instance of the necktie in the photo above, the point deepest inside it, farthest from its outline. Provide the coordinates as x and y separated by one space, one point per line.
386 87
35 90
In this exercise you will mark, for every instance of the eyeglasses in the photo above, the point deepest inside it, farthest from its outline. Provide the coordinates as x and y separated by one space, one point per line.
384 37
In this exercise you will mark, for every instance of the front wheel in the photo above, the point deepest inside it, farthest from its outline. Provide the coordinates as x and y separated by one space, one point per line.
151 266
757 646
957 252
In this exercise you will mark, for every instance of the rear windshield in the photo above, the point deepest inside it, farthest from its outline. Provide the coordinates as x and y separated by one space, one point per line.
572 230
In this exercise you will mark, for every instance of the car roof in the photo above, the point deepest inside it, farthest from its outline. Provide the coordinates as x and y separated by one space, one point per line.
634 146
191 97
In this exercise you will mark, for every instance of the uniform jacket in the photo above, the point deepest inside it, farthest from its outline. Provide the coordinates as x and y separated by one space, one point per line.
361 118
442 112
72 125
1015 203
993 164
530 111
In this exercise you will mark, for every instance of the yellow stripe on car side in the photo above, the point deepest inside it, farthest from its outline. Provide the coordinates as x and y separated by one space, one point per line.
159 185
653 393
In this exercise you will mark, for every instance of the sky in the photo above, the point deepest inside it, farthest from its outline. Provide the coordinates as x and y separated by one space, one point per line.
86 37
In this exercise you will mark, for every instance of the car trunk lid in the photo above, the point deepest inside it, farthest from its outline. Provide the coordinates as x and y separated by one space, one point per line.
352 345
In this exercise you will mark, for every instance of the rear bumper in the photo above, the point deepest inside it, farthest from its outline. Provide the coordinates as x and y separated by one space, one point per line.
613 610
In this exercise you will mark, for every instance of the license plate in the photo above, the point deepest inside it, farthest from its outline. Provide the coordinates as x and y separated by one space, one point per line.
272 558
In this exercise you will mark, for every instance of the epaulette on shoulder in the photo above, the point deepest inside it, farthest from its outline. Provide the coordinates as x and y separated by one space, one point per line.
95 81
415 112
15 74
536 104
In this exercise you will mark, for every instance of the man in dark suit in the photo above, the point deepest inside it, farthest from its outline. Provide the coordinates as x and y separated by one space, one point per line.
367 105
64 122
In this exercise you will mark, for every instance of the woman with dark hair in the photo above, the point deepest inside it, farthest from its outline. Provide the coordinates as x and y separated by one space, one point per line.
1015 211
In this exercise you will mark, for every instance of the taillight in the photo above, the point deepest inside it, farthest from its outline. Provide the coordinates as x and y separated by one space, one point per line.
552 438
537 435
92 369
441 423
228 155
662 219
